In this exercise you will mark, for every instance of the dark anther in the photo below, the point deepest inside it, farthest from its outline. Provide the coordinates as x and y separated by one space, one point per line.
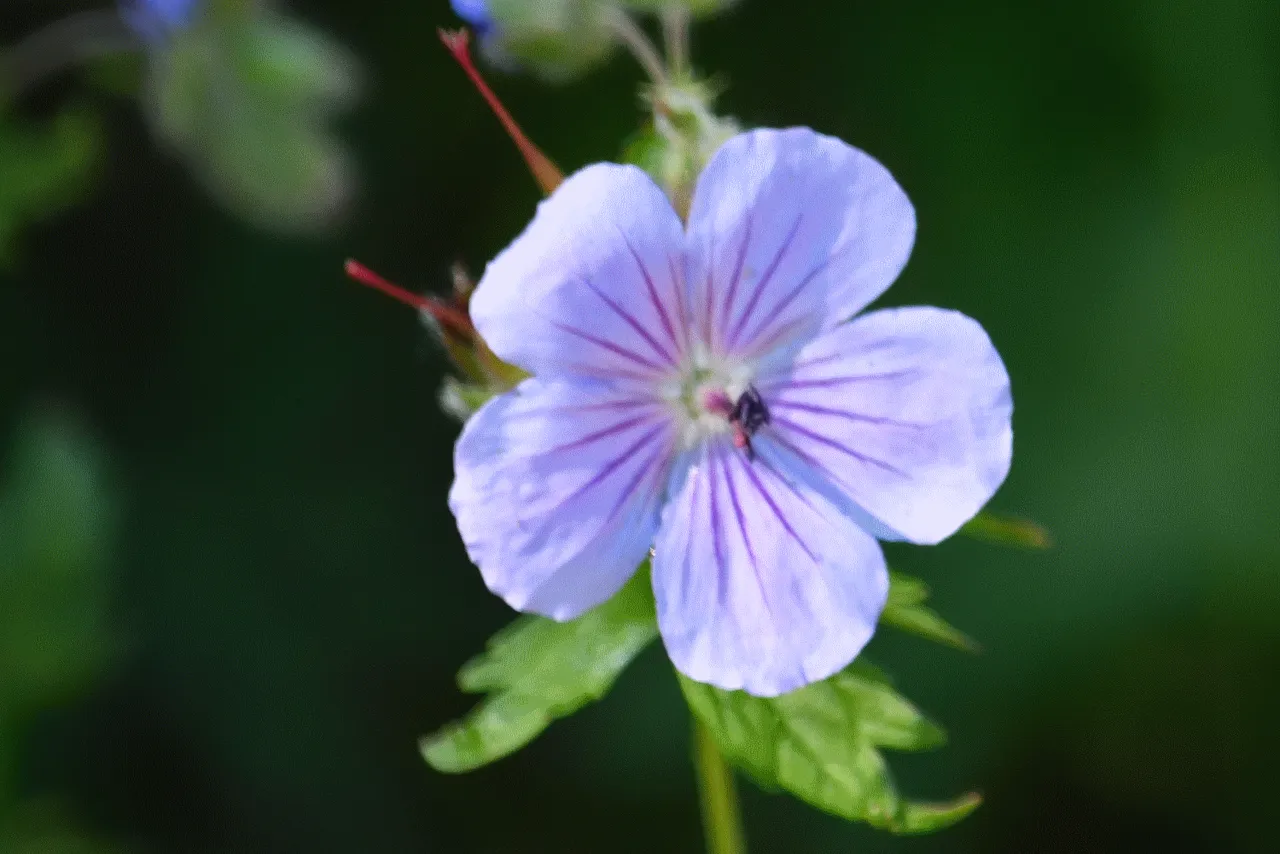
749 415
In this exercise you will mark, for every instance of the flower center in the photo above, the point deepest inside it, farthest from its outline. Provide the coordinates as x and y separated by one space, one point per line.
710 397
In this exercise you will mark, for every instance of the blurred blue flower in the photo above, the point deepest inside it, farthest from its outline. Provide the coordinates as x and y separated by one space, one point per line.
155 19
475 13
701 398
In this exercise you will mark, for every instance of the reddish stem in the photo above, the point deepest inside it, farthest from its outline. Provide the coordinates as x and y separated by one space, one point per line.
444 314
546 173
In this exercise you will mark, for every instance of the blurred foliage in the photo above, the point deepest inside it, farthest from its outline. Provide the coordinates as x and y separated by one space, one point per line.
42 170
54 533
1097 183
245 96
55 529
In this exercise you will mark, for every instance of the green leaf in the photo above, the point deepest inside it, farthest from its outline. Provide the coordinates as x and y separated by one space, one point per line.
1007 531
906 610
536 671
245 101
823 744
43 170
55 530
289 62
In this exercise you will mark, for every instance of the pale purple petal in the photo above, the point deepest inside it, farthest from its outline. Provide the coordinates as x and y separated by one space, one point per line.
907 411
557 491
762 584
790 233
590 288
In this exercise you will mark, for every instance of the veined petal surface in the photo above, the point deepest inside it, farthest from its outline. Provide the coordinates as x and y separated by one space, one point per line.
557 489
906 411
592 287
790 233
762 583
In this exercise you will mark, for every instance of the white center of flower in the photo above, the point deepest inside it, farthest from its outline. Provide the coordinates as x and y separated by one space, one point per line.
702 395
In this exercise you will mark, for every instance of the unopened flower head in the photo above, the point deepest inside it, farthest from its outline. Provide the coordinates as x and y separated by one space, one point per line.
475 13
155 19
701 396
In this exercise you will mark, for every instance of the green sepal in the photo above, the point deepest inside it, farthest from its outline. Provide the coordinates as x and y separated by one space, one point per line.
683 137
822 743
461 400
1007 531
536 671
645 149
905 610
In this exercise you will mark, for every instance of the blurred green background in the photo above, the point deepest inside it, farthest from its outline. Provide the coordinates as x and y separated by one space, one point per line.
233 584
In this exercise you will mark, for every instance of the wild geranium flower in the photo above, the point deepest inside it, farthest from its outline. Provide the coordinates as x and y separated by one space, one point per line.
701 396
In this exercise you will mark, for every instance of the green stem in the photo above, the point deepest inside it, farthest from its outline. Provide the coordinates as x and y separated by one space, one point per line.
721 816
74 40
635 40
675 30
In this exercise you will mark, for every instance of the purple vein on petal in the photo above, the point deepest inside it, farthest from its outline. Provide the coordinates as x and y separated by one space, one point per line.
612 405
612 466
764 283
661 309
590 371
796 367
603 406
722 571
648 469
632 322
839 446
607 345
732 290
785 481
812 461
603 475
773 505
592 438
829 382
683 319
776 404
746 539
687 563
776 311
708 301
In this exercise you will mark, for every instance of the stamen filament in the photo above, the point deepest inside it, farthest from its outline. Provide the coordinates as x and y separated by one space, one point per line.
545 172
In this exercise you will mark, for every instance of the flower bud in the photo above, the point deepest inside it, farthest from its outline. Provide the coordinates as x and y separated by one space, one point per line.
685 133
697 8
556 39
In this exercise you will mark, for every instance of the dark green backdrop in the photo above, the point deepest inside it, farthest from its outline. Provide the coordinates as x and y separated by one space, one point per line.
1098 183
